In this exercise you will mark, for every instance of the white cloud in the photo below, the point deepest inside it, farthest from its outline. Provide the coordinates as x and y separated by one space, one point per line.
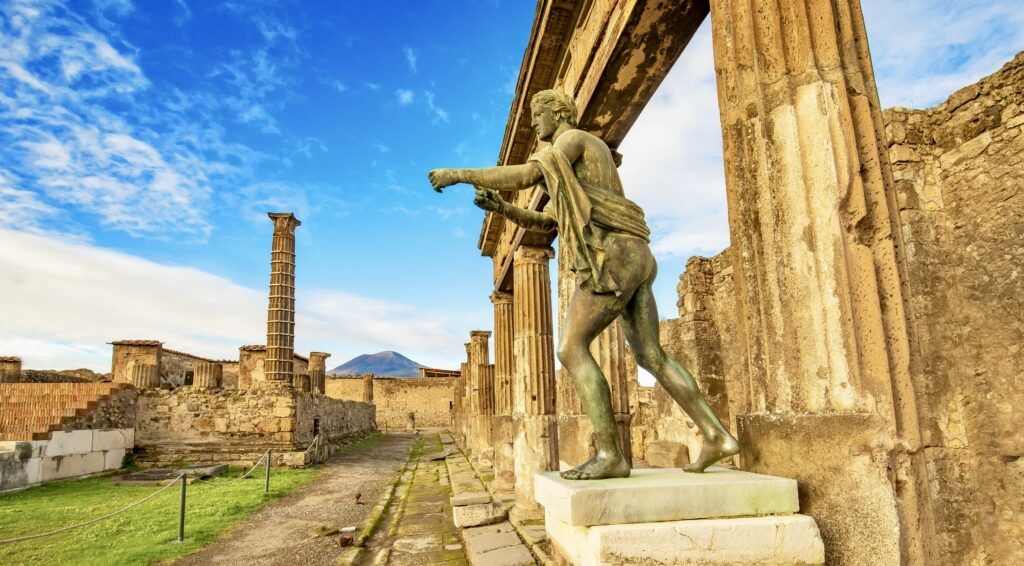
373 86
440 114
923 51
672 159
340 86
63 300
410 57
404 96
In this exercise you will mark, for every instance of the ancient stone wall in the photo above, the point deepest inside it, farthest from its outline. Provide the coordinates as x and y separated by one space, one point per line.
237 426
178 368
337 420
118 410
395 397
128 353
959 175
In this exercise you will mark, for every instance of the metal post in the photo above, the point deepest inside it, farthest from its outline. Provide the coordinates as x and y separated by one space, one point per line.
266 479
181 512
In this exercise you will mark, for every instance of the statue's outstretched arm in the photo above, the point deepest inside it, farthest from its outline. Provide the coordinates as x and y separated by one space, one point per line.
489 199
502 178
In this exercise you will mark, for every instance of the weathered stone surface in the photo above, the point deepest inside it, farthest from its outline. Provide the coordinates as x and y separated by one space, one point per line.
113 439
664 495
667 454
777 540
478 514
72 465
72 442
471 498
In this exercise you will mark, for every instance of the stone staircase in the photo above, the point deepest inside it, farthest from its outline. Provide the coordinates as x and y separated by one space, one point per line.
31 411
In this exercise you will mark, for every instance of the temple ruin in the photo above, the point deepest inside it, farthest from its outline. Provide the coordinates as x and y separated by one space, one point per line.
860 334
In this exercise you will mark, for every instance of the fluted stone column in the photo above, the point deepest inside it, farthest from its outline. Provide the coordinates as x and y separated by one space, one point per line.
368 388
302 382
318 372
502 434
207 375
145 376
457 387
479 358
472 402
815 229
535 422
281 310
10 369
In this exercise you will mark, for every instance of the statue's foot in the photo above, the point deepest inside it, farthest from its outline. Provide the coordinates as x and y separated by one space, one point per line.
599 467
713 451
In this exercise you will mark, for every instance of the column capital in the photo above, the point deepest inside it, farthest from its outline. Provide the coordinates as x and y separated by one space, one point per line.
284 222
533 254
479 335
501 298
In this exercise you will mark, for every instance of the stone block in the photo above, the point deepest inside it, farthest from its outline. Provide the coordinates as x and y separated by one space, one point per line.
112 459
471 498
517 555
72 465
667 454
65 443
294 459
486 542
651 495
17 473
777 540
111 439
479 514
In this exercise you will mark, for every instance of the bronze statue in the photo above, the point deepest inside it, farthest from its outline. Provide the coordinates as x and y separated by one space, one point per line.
608 241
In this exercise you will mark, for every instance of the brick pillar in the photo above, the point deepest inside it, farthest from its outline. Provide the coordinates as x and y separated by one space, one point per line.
252 366
10 369
535 422
318 372
502 435
819 271
368 388
207 375
281 309
128 353
145 376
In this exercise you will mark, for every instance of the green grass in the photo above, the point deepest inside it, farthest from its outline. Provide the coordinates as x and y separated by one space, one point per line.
143 535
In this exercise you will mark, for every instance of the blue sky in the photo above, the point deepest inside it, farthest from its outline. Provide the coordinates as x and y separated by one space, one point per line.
145 142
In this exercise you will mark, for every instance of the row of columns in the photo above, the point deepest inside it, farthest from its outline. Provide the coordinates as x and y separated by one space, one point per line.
514 415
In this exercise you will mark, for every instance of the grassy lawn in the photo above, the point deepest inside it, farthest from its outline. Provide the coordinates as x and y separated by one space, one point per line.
143 535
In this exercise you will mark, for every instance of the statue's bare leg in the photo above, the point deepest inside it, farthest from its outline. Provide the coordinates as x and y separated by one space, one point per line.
587 315
640 323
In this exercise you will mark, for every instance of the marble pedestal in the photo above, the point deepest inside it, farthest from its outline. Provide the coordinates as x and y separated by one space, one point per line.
667 516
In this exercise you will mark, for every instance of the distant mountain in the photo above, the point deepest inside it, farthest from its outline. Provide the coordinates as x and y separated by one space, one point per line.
391 364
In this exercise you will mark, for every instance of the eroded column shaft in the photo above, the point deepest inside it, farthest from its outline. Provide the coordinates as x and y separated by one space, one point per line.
501 423
536 429
207 375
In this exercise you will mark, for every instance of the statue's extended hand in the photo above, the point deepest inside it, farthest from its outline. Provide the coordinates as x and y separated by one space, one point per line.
488 199
441 178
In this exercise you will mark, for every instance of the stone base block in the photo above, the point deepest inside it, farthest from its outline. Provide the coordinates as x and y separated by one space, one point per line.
778 540
478 514
651 495
667 454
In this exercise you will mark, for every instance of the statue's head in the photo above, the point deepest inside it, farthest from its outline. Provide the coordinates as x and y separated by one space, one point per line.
549 109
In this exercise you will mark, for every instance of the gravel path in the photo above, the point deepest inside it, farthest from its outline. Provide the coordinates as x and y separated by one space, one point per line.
283 532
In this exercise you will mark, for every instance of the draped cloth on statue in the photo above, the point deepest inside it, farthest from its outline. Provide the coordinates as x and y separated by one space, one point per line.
586 216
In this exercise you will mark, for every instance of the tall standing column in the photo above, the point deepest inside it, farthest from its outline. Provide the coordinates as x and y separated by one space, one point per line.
462 425
501 423
472 401
281 311
535 422
815 233
483 375
318 372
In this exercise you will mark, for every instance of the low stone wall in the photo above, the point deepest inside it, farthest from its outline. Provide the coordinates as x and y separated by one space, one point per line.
64 455
238 426
430 398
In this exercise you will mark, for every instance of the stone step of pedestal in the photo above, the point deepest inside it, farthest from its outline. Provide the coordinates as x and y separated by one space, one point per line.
652 495
776 540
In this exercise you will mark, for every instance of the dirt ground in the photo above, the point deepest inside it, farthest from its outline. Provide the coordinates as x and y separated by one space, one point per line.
284 532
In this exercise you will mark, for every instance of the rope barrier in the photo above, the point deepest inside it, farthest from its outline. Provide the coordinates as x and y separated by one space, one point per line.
316 439
98 519
238 479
